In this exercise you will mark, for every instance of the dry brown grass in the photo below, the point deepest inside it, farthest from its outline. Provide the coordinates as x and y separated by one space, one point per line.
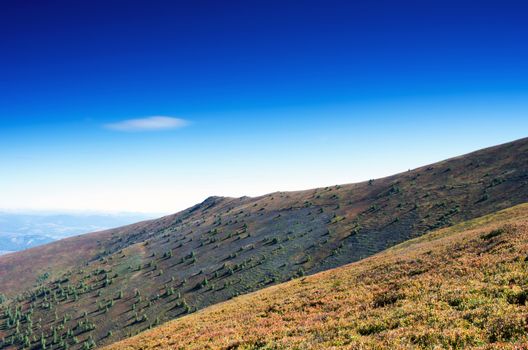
460 287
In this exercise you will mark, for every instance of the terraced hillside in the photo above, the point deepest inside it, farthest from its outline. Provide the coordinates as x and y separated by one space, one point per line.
102 287
458 287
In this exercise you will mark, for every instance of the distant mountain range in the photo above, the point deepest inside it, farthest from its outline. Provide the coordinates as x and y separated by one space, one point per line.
19 231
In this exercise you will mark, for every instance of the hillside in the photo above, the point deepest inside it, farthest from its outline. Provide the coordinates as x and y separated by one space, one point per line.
459 287
106 286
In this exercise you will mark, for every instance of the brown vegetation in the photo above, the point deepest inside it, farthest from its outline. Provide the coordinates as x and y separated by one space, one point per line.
460 287
106 286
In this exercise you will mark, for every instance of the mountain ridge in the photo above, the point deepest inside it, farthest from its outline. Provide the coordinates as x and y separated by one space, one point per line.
428 292
224 247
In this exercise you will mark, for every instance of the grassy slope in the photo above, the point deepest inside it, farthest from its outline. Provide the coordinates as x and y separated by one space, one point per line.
478 183
462 286
225 247
55 258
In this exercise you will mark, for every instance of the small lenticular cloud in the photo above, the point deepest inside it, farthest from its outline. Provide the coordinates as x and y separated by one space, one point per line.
155 123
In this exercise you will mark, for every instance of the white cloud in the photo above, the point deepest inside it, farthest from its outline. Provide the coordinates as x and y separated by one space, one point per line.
154 123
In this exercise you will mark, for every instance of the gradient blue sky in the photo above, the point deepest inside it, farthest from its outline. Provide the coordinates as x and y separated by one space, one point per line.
274 95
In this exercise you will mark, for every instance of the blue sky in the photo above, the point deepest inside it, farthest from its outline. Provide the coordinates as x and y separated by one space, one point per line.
154 105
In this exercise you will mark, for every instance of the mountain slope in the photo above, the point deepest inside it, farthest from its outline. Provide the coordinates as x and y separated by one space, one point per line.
459 287
105 286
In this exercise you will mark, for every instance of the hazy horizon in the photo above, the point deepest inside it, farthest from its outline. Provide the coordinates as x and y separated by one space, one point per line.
23 230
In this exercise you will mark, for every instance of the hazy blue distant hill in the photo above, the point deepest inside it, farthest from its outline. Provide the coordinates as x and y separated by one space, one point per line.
19 231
